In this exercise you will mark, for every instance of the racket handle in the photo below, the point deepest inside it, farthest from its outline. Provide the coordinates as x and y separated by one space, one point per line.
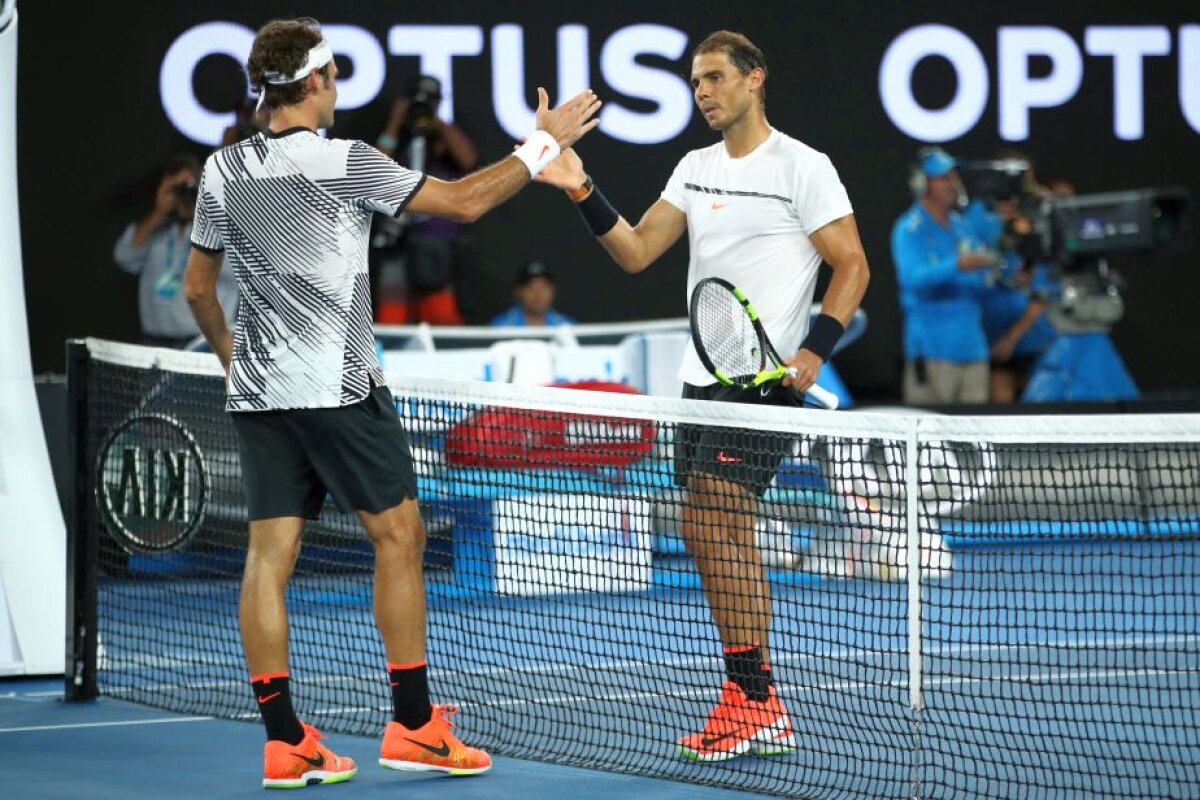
822 396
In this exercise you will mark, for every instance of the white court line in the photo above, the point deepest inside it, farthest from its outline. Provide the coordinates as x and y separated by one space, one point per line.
844 654
114 724
21 695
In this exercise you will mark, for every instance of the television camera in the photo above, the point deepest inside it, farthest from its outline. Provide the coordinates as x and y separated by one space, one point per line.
1078 235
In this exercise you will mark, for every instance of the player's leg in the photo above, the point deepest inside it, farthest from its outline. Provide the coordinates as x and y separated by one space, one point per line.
420 736
361 451
262 611
719 530
725 473
399 603
281 489
730 471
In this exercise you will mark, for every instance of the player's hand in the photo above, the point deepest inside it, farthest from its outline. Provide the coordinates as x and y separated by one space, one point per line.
223 347
565 172
807 364
570 121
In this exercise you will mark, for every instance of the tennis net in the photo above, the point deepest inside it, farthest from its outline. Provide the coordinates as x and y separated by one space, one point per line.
962 607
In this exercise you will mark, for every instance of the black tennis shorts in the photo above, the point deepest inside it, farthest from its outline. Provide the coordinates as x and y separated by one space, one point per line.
749 458
358 453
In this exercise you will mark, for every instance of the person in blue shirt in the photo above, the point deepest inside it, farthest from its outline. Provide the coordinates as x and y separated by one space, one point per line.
1016 326
534 293
941 269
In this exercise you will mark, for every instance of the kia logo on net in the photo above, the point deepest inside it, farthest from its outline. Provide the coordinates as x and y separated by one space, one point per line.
152 483
1020 90
436 47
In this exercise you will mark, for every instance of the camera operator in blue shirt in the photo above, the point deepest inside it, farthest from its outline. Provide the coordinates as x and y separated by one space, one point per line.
941 269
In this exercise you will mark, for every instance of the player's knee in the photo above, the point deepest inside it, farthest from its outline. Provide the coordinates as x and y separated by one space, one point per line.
399 539
271 562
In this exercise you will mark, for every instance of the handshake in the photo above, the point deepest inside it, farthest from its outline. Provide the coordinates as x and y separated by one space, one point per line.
547 152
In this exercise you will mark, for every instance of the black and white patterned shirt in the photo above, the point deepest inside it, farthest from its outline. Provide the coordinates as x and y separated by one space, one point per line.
292 211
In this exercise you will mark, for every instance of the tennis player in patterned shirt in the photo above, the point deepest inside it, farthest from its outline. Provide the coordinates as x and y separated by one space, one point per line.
291 211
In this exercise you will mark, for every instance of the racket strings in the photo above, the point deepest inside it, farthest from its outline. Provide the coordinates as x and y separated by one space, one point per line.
727 333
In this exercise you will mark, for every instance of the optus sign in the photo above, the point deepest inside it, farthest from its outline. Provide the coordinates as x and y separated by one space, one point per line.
437 47
1021 88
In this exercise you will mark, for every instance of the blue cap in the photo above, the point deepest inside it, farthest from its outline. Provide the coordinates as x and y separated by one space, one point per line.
936 162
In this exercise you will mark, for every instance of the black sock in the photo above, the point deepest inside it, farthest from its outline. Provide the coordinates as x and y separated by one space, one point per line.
275 704
410 694
745 667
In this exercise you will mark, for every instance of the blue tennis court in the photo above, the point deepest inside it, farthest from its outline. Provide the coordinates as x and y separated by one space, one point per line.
124 751
1016 689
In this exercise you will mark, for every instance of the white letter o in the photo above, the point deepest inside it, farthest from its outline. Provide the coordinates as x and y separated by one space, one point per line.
175 79
895 83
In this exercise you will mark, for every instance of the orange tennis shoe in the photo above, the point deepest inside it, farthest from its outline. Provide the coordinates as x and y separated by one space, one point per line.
432 748
738 726
294 766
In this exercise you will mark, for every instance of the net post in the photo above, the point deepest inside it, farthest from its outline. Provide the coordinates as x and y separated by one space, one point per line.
81 644
916 699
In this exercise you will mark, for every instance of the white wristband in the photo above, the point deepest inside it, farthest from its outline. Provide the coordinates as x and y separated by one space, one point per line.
539 149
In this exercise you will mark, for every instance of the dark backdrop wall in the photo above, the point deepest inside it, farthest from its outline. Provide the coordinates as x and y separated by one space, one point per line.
92 126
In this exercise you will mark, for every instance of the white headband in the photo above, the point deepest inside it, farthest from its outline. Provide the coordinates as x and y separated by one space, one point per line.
318 57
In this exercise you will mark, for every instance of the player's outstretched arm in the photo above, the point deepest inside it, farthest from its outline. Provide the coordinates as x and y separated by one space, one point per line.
468 199
633 247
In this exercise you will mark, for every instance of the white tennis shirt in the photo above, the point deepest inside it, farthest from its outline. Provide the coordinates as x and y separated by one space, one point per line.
749 221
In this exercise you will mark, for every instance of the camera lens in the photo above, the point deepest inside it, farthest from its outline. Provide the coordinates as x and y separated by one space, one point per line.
423 98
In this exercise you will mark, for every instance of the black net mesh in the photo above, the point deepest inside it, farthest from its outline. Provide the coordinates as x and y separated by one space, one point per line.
1061 652
1058 601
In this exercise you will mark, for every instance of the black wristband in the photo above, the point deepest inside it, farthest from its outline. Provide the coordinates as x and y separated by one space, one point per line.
823 336
597 212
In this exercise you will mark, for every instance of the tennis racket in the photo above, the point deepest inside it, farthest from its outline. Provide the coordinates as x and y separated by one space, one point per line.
732 343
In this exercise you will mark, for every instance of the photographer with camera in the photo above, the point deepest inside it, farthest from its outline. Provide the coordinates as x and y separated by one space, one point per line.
941 269
156 248
425 265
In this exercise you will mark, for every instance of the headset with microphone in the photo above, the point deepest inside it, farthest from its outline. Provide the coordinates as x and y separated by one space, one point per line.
932 162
